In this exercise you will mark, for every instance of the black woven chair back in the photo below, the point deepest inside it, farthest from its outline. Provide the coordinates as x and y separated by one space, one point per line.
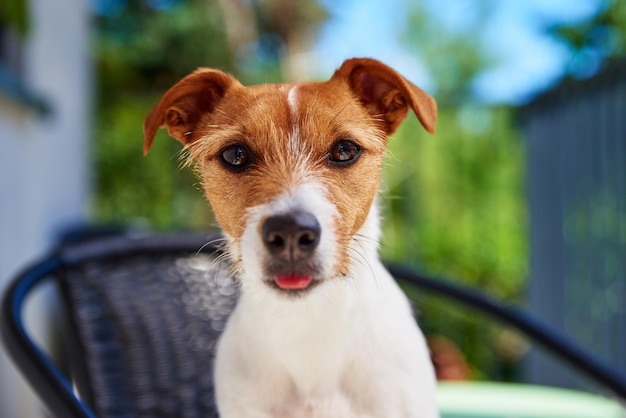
147 316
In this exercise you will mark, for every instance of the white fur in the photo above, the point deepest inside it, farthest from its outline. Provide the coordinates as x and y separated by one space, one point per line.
292 100
348 348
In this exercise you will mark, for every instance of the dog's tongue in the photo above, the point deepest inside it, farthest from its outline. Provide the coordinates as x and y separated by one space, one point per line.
293 281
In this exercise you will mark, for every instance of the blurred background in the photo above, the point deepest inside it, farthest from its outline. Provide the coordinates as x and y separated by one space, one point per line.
521 192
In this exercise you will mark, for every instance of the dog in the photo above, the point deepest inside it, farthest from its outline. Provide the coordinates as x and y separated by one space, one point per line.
291 172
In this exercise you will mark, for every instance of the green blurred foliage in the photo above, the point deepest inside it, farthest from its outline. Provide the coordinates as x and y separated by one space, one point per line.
151 191
455 202
455 208
595 41
141 49
462 193
15 14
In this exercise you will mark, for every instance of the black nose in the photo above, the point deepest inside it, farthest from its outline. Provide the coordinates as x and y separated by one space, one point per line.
291 237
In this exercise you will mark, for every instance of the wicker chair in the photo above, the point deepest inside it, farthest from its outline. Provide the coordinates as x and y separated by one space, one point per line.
144 314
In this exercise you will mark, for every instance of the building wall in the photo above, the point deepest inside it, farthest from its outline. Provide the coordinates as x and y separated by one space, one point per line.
577 191
44 176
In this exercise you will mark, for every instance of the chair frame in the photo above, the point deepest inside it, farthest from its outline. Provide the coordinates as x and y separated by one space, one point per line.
54 388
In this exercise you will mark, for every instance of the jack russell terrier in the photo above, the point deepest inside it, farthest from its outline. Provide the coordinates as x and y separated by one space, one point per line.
292 171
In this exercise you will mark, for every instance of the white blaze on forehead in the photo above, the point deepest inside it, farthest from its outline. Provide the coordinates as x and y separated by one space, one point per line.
292 101
295 142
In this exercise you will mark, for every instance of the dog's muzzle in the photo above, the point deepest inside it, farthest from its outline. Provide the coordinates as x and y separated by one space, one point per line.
292 237
291 240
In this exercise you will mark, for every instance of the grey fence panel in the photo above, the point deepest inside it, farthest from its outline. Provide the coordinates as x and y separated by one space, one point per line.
576 138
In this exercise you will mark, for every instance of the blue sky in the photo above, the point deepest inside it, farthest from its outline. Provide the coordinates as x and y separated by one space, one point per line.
527 60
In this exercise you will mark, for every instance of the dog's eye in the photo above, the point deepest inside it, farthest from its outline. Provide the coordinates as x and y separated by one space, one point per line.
235 157
344 152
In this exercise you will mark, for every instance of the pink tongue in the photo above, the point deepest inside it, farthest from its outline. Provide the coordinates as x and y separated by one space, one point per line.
293 281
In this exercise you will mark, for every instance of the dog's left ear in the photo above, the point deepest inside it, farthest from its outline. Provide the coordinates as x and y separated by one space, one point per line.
387 95
182 106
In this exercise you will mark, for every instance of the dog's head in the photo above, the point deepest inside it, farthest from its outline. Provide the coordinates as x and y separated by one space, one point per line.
290 170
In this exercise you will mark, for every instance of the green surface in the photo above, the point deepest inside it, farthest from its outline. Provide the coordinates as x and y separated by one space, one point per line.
503 400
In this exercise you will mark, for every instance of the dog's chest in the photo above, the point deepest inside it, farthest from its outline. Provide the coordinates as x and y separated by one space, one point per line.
315 351
312 339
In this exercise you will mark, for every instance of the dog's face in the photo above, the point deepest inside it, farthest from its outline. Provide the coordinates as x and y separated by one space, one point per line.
291 171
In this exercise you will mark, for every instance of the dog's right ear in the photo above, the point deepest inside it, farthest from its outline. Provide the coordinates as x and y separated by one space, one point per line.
182 106
386 95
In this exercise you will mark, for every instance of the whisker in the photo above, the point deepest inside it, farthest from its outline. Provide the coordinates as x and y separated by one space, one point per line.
360 255
211 242
367 238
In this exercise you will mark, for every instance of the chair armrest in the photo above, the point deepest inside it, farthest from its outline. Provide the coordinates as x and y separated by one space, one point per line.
538 331
44 376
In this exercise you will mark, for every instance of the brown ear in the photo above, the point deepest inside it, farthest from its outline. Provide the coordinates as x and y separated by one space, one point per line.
386 94
182 106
